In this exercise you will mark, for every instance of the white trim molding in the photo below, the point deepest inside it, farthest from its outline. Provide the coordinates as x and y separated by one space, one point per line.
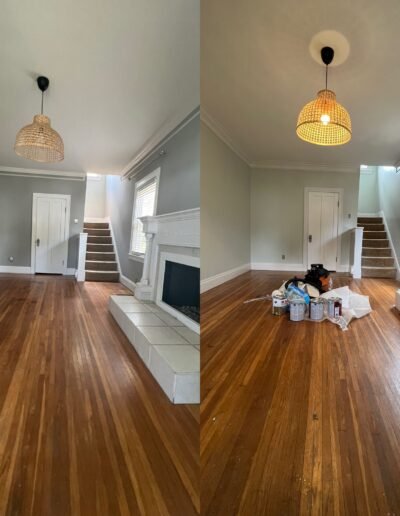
223 277
392 247
222 134
15 269
306 167
108 220
289 267
180 229
154 145
131 285
44 174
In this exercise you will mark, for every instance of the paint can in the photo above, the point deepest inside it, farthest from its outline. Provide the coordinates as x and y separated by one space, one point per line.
297 310
279 304
316 309
334 307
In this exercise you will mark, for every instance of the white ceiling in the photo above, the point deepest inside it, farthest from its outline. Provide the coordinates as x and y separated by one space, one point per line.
119 73
257 73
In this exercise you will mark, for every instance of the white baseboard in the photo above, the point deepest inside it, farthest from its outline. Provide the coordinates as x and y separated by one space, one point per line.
70 272
15 269
108 219
290 267
127 282
222 277
396 259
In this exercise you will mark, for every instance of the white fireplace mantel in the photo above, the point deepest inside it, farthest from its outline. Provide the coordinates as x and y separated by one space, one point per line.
179 229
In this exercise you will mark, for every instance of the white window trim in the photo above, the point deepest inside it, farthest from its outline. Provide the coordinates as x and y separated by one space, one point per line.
155 174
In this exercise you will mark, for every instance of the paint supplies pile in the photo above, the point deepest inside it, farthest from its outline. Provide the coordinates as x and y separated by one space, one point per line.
313 299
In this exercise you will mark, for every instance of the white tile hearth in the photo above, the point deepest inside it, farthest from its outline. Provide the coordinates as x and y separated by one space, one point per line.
170 351
185 362
189 335
169 319
145 319
162 336
133 307
182 359
125 299
154 308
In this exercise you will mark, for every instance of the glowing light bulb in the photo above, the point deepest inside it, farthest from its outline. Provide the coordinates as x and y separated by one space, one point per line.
325 119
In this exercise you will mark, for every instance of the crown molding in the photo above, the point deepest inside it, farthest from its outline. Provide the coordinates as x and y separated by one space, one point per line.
44 174
306 167
155 143
218 130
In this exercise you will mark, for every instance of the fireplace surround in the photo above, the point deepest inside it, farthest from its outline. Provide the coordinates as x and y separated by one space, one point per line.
173 237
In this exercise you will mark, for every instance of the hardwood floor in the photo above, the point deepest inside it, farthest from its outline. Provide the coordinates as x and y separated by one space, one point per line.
299 418
85 430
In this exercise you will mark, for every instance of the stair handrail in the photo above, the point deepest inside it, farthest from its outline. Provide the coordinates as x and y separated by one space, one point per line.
81 272
356 268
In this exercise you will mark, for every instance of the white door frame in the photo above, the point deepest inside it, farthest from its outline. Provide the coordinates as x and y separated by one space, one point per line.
339 191
66 233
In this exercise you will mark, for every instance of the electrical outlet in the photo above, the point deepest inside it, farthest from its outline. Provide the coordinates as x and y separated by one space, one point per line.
283 257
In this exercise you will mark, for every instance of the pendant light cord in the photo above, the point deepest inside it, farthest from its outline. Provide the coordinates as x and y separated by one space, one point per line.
326 77
42 103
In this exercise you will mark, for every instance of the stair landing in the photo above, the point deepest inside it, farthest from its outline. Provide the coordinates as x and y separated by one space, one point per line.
377 260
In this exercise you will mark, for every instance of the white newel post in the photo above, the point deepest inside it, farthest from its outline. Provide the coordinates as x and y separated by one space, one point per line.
80 273
356 269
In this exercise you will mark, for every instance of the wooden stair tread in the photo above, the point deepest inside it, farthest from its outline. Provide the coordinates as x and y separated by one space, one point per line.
100 262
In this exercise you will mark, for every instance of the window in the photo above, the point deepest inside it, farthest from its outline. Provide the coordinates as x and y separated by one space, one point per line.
144 204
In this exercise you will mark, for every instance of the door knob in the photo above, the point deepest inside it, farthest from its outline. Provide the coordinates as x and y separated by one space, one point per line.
310 238
37 242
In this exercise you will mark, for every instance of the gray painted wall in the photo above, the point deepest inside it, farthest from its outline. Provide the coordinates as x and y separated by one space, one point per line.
16 197
95 203
277 212
179 189
368 199
225 207
389 193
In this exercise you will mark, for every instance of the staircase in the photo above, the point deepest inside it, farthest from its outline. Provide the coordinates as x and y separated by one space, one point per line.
100 262
377 259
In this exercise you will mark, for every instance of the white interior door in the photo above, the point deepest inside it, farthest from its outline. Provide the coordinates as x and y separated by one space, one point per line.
50 232
323 225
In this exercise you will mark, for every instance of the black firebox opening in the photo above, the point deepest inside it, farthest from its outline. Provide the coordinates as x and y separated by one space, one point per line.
182 289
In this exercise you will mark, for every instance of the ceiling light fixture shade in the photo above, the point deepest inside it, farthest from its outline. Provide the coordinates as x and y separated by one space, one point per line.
324 121
38 141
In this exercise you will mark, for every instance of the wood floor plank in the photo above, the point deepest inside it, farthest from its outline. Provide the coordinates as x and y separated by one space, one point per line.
84 428
299 418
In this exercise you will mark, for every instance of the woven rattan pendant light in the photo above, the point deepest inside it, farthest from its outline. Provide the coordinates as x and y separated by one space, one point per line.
38 141
324 121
